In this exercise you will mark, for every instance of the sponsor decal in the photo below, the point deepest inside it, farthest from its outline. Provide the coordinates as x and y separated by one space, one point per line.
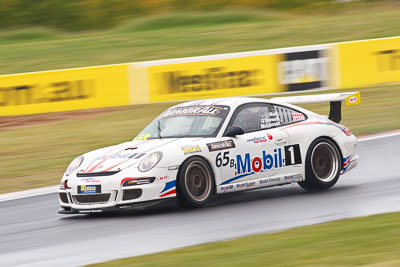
260 183
190 149
297 116
297 178
163 178
209 79
261 139
247 165
246 185
353 99
89 189
221 145
90 180
137 181
124 155
269 180
24 94
226 187
181 111
293 178
388 60
169 189
271 121
304 70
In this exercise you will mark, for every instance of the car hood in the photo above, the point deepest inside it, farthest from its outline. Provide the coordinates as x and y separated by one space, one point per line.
119 157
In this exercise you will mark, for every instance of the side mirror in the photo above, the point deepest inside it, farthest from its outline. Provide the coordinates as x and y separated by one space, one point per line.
234 130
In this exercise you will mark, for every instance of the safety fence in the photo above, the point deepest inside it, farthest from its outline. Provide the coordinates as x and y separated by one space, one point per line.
328 66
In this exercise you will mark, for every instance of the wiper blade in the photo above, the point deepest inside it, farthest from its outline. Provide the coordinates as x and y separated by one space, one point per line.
159 129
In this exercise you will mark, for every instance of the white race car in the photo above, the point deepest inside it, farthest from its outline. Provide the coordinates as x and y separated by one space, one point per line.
215 146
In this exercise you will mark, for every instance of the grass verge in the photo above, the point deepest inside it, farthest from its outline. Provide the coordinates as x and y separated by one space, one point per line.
194 33
370 241
37 155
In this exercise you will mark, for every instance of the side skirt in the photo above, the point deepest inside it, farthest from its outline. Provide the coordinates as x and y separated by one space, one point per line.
259 183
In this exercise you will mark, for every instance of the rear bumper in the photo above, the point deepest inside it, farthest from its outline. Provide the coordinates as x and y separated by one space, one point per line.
351 164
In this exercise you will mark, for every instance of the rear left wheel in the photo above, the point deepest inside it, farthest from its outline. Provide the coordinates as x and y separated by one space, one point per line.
195 183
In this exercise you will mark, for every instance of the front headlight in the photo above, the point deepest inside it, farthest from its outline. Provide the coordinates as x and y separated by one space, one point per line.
74 165
150 161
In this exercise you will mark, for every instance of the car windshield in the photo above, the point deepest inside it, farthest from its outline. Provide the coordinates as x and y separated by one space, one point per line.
193 121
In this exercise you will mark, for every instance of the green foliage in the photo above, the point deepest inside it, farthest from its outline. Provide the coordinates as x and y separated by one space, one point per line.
69 15
74 15
27 35
367 241
192 19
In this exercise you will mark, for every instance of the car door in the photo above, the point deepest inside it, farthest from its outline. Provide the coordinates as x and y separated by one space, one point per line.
259 152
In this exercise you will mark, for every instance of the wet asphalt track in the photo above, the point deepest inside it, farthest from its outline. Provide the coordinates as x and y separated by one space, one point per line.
33 234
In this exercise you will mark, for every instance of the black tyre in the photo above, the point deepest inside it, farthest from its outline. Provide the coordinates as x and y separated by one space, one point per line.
323 165
195 183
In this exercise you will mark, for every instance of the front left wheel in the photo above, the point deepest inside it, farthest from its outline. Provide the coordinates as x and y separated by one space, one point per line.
194 183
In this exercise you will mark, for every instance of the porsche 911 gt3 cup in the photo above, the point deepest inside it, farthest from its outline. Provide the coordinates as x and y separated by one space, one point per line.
215 146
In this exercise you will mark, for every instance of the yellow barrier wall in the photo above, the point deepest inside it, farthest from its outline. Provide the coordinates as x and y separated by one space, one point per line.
213 78
369 63
247 73
341 65
64 90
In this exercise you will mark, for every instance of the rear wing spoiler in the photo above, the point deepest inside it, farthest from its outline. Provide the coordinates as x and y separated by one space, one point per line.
335 112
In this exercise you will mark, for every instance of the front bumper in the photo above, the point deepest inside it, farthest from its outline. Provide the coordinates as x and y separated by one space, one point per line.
120 207
108 193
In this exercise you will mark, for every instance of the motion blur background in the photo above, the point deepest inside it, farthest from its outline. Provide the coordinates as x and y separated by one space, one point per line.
54 34
55 114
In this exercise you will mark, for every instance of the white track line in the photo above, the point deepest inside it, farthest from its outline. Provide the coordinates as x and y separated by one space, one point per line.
378 136
53 189
29 193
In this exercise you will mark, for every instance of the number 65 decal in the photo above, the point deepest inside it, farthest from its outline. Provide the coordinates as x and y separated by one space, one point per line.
222 159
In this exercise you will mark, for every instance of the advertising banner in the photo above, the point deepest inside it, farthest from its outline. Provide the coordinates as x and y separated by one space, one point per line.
213 78
64 90
369 63
263 72
238 74
306 68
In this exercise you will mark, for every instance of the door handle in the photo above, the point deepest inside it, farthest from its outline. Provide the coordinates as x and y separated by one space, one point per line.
281 141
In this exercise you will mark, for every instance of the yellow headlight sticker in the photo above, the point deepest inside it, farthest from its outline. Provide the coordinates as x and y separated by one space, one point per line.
142 137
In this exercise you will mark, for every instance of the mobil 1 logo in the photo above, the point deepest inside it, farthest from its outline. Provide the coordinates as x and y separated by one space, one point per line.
304 70
265 160
292 155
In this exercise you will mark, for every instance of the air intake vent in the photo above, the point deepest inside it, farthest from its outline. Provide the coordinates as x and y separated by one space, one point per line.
91 199
132 194
91 174
63 197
